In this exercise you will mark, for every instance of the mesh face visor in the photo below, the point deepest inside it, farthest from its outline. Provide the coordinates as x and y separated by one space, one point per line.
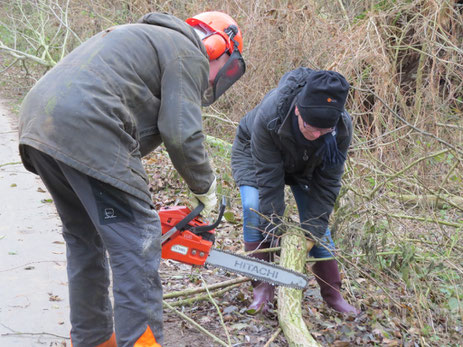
231 72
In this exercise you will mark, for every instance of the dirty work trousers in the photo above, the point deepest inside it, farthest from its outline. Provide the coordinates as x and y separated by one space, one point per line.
97 218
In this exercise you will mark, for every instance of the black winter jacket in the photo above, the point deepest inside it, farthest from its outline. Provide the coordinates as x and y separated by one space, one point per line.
265 155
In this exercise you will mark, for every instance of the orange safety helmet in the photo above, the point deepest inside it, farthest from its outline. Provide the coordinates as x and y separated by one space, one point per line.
221 33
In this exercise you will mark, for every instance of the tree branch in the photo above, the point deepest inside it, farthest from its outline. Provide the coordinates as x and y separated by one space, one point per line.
403 120
21 55
203 297
190 292
218 311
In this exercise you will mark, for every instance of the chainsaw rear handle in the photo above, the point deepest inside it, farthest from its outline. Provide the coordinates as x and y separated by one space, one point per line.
203 228
192 215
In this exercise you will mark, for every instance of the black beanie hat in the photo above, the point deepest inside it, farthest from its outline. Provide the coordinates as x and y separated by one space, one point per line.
321 101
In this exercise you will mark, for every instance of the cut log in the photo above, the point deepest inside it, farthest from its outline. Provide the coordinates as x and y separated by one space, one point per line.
293 256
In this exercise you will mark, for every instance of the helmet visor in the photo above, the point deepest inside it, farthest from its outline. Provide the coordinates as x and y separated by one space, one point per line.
231 72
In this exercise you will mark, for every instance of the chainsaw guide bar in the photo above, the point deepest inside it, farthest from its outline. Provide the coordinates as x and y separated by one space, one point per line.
256 269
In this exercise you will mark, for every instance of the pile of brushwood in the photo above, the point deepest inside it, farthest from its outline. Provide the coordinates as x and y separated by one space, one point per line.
399 217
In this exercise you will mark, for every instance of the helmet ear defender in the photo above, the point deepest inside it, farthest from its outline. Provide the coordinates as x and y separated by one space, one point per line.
215 46
220 33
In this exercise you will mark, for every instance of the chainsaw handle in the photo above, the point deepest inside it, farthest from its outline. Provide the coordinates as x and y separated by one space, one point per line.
203 228
183 223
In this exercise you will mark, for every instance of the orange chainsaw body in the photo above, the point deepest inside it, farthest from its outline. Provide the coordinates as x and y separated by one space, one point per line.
184 245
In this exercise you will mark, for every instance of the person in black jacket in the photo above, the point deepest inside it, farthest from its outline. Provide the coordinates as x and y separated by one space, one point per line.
298 136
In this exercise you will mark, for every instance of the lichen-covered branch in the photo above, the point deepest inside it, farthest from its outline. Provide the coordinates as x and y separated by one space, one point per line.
190 292
293 256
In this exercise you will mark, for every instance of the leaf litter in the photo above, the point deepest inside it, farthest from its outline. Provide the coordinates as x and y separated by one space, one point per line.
379 323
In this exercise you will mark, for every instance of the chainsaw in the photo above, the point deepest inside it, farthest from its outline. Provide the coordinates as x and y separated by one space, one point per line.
187 238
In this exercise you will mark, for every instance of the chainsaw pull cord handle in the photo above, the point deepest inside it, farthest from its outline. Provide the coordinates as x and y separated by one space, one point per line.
203 228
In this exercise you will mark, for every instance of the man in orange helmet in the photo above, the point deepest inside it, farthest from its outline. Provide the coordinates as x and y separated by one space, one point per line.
84 128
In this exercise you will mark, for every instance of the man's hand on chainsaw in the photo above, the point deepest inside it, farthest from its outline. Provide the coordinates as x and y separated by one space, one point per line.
208 199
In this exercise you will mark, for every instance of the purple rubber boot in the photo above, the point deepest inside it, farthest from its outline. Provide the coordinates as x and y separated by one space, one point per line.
329 280
263 292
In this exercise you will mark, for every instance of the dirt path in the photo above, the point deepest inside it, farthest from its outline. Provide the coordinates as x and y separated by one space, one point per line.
34 305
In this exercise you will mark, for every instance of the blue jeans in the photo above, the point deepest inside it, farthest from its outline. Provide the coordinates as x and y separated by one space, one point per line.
250 200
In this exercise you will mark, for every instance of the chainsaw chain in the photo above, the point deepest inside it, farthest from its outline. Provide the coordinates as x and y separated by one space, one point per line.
257 278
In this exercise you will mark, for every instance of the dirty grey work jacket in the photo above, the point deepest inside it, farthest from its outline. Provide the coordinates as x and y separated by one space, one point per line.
118 96
265 155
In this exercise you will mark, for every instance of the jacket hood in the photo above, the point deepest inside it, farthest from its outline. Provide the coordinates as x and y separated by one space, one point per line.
169 21
289 86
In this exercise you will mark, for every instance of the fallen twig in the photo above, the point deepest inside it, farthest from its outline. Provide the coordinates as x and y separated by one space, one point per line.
273 337
428 220
204 296
264 250
378 284
453 126
224 120
218 311
433 199
196 325
13 163
19 333
202 289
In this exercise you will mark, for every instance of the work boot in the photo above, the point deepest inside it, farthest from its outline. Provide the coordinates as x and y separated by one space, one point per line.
111 342
263 292
329 280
